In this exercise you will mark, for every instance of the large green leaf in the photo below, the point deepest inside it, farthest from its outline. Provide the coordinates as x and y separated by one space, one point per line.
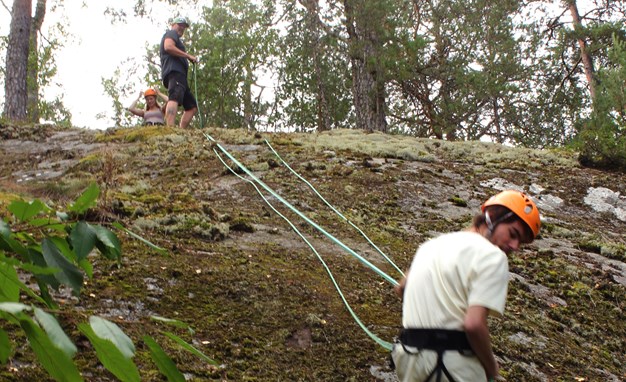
108 244
48 223
44 291
55 332
164 363
9 278
83 239
47 278
162 251
24 211
28 267
56 362
26 238
63 216
190 348
110 331
8 244
86 200
64 247
9 283
5 347
5 230
172 322
13 307
69 274
86 266
111 357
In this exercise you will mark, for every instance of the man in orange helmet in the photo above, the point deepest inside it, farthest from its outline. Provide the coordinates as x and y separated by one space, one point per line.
454 283
174 68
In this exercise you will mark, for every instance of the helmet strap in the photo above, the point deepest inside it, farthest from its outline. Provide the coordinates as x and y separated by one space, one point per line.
491 226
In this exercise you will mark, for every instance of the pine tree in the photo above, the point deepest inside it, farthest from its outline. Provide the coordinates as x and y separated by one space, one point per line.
15 105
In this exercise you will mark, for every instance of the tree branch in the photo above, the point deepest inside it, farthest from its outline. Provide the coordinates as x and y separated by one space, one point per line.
5 7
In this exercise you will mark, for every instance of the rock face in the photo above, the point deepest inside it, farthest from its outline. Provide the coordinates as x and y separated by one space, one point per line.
256 294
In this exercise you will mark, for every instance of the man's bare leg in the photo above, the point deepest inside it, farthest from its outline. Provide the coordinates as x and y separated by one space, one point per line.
187 115
170 113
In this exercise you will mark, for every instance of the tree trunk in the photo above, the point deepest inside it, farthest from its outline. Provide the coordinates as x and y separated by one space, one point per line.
368 85
313 26
496 120
248 113
584 54
33 64
17 62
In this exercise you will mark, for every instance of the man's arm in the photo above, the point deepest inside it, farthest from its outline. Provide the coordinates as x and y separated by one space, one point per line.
475 325
399 289
170 48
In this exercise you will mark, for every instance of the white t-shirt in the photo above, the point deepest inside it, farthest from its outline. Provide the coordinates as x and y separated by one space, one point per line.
450 273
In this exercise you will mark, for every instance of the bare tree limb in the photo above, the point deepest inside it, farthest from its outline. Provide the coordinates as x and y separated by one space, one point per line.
5 7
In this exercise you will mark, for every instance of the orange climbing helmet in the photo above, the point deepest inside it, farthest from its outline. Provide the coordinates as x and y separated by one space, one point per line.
150 92
520 204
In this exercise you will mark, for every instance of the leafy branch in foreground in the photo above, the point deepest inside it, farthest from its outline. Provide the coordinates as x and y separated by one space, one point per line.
53 247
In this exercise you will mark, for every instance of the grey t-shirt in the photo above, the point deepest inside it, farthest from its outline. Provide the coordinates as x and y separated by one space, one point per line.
171 63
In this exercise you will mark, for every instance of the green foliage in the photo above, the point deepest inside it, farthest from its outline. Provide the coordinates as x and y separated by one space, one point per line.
504 71
52 110
53 246
114 358
115 87
57 363
190 348
236 43
602 138
313 72
5 347
163 362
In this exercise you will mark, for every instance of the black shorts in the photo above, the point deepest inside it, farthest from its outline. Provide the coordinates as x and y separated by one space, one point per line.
178 90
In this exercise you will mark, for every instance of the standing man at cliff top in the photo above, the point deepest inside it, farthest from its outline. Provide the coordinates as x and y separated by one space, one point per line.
174 68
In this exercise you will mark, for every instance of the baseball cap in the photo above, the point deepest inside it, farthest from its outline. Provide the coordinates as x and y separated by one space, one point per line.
180 20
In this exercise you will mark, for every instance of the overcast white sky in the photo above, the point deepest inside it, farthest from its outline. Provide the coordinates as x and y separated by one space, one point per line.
99 47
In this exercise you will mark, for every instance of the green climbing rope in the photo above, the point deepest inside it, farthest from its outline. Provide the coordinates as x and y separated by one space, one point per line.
334 209
378 340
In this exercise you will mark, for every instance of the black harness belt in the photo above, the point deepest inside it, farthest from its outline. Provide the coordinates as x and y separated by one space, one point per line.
439 340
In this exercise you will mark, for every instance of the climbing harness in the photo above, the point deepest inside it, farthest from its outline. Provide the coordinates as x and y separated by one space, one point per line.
256 181
438 340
